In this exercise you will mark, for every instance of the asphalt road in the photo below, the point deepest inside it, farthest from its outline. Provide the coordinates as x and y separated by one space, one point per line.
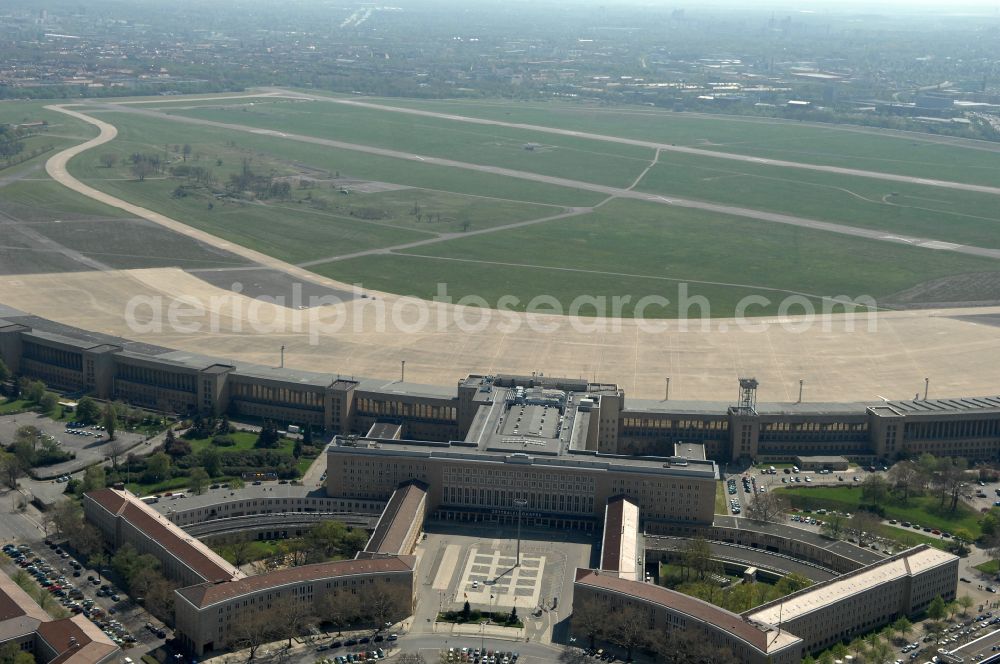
616 192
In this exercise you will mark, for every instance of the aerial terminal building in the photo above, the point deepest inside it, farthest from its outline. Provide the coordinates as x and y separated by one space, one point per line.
600 418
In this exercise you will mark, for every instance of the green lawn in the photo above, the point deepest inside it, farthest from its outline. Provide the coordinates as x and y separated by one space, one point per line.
989 567
564 156
904 153
638 249
921 509
145 489
16 406
721 499
911 209
245 441
964 217
256 550
152 134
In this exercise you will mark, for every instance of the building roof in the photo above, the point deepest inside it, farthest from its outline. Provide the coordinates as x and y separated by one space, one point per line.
385 388
268 490
619 547
77 640
16 603
572 459
763 638
860 555
764 409
206 594
405 506
796 605
971 405
386 430
198 557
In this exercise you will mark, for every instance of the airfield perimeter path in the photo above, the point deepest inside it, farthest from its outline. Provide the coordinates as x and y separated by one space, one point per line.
616 192
56 168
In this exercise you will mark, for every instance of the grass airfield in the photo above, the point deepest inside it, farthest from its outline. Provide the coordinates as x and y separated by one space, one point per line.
399 228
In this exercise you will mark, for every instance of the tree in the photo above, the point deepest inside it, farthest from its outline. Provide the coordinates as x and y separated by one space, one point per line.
874 489
833 525
32 390
589 618
186 152
116 448
953 478
629 629
110 420
905 478
864 525
178 447
109 159
466 610
239 547
66 517
141 168
199 479
11 653
10 469
99 561
157 467
48 402
4 372
338 609
159 599
94 478
87 410
211 461
857 646
88 540
937 609
307 435
766 507
268 437
293 616
384 605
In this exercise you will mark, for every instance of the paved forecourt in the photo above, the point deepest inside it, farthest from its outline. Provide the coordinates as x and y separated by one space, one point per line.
958 349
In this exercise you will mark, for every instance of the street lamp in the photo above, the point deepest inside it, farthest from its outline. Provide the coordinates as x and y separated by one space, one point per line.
520 504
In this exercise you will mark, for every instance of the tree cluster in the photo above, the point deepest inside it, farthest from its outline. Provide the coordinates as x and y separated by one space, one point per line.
261 186
144 165
629 628
269 437
11 140
32 448
143 578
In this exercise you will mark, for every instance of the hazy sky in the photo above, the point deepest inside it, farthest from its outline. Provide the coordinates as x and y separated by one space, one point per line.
945 6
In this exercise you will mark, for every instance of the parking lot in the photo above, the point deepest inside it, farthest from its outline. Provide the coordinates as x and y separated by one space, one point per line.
476 655
90 444
88 592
